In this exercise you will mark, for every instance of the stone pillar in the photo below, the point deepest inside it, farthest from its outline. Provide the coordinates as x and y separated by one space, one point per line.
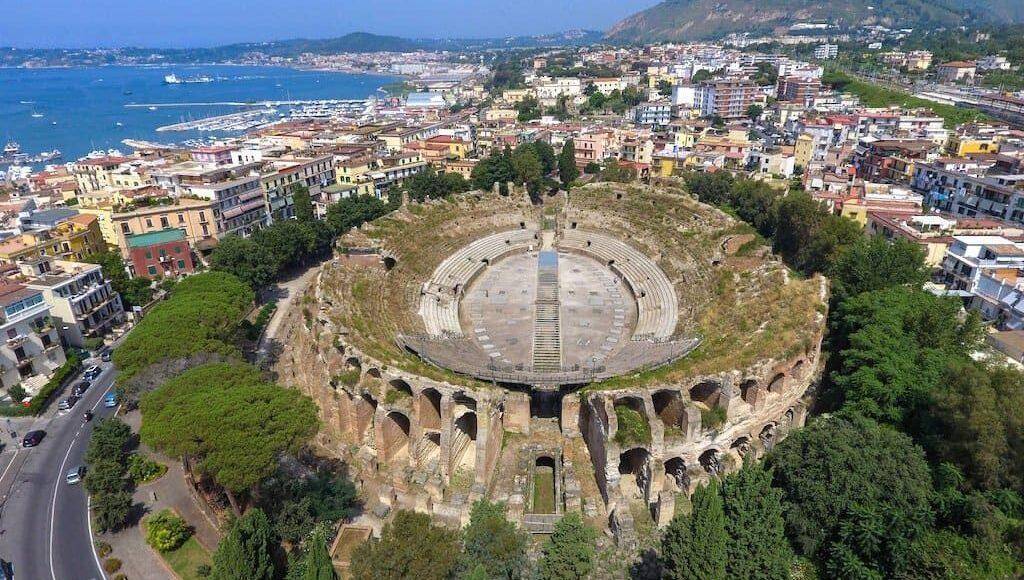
756 397
447 424
691 423
664 509
728 394
570 419
517 413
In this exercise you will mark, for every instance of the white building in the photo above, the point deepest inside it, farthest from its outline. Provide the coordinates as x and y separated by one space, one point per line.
82 303
31 350
826 51
971 257
993 62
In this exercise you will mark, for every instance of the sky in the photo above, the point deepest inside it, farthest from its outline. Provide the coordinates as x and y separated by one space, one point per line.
193 23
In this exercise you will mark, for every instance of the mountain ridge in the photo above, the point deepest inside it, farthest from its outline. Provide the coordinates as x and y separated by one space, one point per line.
690 20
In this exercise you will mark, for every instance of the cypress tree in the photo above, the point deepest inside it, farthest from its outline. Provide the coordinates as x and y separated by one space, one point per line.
318 561
694 546
757 547
569 552
244 554
567 170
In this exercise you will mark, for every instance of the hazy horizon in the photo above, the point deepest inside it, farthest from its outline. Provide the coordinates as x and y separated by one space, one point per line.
191 24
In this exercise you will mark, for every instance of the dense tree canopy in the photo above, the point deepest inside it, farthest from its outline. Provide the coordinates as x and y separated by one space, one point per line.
568 172
429 184
856 495
201 316
756 547
569 553
409 547
694 545
875 263
493 543
232 422
246 552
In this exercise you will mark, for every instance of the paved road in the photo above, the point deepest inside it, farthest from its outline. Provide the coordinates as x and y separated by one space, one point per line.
44 521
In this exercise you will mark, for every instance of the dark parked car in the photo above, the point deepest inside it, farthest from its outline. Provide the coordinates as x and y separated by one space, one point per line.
81 388
32 438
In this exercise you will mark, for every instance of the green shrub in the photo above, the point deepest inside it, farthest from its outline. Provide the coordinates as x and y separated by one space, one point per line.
203 570
103 549
166 530
713 417
348 378
142 469
111 565
633 427
395 395
119 577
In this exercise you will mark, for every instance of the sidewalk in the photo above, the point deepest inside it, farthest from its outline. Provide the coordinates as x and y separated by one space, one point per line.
170 491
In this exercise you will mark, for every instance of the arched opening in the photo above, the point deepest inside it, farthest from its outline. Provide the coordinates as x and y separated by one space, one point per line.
395 436
798 369
373 372
353 363
389 263
675 475
522 225
543 486
399 390
464 443
747 390
366 406
635 472
777 384
741 446
430 409
618 196
486 262
429 450
669 407
572 225
545 404
767 436
632 424
787 419
711 461
707 393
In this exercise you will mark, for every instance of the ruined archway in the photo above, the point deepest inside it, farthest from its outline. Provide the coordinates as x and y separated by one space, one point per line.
711 461
399 390
777 384
676 476
707 393
632 425
670 408
741 446
635 473
428 451
767 436
748 388
395 436
463 454
366 407
430 409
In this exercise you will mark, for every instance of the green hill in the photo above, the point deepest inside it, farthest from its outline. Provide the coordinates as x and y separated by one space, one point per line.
685 20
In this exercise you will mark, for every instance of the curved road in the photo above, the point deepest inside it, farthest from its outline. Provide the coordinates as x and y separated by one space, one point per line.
44 523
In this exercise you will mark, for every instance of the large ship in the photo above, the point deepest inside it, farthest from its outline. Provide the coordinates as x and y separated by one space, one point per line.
173 79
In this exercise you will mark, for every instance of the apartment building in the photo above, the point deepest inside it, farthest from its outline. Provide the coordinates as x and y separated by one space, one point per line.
654 114
280 177
159 254
956 71
82 303
727 98
59 233
826 51
891 160
193 216
94 173
972 194
235 191
800 90
31 350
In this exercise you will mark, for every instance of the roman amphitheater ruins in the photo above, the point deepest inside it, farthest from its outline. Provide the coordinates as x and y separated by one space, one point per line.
604 351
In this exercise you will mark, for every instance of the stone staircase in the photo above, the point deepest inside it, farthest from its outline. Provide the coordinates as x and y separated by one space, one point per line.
547 333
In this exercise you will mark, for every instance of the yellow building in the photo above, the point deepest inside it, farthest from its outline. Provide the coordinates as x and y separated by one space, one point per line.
804 150
72 239
515 96
194 216
961 145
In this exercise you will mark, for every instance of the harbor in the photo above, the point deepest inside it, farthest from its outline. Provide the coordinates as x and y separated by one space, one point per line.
267 111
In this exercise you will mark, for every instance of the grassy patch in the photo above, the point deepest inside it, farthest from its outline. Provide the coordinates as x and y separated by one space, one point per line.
712 418
543 491
633 427
187 558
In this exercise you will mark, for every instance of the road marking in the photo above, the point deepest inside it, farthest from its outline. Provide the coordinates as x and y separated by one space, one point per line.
92 546
9 465
53 504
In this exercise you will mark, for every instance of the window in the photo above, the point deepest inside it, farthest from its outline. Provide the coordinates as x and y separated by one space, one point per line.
177 249
163 253
181 264
149 223
202 217
164 223
149 255
11 333
125 228
151 270
181 218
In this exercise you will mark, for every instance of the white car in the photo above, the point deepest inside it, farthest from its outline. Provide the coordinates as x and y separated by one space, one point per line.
75 475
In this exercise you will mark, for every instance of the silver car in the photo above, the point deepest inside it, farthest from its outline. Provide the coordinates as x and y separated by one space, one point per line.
75 475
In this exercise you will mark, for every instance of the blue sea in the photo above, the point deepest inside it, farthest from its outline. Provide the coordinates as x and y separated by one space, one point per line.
83 109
